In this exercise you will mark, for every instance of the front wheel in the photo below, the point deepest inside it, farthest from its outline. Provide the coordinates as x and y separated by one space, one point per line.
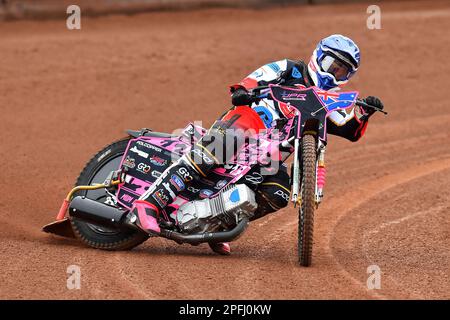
96 171
306 211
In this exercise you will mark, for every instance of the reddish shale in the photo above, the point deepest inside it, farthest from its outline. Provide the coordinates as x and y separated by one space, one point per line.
66 94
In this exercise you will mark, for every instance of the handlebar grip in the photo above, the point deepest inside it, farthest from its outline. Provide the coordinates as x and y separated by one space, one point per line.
363 104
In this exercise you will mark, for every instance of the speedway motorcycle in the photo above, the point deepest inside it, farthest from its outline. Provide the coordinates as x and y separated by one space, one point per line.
213 209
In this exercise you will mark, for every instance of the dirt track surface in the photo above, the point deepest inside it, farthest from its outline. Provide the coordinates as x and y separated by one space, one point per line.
66 94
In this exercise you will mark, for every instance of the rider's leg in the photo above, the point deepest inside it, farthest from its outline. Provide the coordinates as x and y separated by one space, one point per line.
273 193
215 148
161 193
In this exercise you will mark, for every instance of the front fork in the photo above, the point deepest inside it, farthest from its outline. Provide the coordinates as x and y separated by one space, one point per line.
320 173
295 192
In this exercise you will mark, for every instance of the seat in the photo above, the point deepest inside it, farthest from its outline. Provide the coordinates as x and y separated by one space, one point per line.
148 133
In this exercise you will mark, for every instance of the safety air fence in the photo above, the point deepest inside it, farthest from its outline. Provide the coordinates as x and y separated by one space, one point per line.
47 9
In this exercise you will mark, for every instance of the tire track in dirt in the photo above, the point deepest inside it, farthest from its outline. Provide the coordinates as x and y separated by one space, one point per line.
379 228
127 281
373 189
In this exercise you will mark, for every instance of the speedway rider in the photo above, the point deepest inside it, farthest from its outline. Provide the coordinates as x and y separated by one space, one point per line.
334 61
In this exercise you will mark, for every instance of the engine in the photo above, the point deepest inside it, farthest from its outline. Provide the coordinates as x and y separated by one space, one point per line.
223 211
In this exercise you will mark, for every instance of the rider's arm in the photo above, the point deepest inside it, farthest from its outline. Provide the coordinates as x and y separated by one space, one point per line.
267 74
350 125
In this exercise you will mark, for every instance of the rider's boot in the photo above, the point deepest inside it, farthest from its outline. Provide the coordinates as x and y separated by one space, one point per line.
222 248
146 216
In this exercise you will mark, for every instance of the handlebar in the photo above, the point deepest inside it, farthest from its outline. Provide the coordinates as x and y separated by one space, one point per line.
254 93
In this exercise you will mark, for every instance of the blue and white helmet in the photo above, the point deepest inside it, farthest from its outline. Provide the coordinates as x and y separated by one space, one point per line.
334 61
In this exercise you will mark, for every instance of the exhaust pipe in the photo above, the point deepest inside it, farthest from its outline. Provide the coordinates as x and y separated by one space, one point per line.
104 215
214 237
97 213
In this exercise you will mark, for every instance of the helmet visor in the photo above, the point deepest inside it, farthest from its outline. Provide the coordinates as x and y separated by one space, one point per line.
339 69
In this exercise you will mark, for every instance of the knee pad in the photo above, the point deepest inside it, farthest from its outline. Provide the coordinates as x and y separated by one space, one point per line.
272 194
200 160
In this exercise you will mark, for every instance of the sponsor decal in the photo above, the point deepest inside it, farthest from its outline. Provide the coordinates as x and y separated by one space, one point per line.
156 174
103 155
185 174
129 162
293 96
205 193
192 189
158 161
177 182
254 178
160 197
203 156
148 145
143 167
139 152
282 194
220 184
296 73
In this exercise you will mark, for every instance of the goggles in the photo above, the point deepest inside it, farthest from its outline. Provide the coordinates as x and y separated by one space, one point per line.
336 65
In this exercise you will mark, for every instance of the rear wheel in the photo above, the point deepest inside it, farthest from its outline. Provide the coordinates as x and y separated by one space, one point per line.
306 212
96 171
